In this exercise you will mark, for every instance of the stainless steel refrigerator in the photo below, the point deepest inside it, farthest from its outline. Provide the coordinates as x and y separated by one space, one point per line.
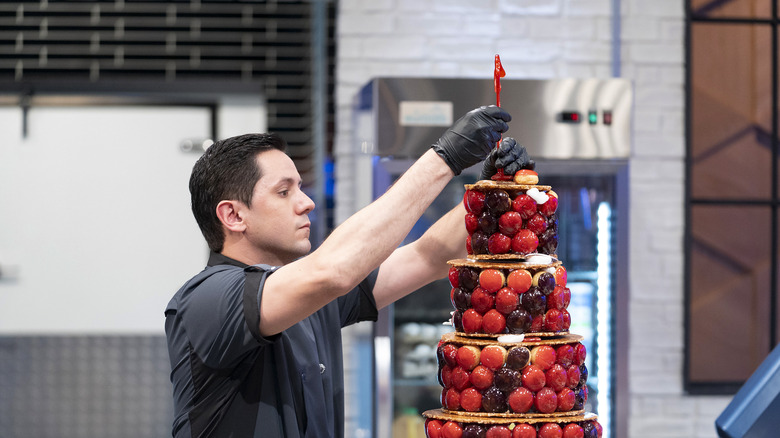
579 133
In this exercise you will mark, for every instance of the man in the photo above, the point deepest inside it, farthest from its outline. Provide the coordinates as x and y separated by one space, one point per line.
254 339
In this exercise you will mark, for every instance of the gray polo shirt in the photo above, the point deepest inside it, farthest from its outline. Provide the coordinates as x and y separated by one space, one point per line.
229 381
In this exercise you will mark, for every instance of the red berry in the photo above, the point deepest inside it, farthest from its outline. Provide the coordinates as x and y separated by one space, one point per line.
471 399
524 430
546 400
499 243
445 376
566 319
498 431
453 274
510 223
525 205
471 222
599 429
579 354
556 377
507 300
493 357
573 376
553 320
482 301
491 280
452 399
549 207
519 280
573 430
472 321
550 430
543 356
537 223
560 276
521 400
468 357
468 245
474 201
525 242
493 322
451 429
565 355
482 377
460 378
533 378
536 324
566 399
433 428
557 299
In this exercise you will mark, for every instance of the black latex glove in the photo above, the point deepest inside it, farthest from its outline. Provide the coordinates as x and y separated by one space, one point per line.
472 137
509 156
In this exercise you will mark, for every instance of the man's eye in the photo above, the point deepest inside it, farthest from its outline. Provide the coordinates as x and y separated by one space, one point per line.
284 193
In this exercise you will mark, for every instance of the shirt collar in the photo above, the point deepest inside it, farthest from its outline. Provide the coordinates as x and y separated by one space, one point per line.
216 258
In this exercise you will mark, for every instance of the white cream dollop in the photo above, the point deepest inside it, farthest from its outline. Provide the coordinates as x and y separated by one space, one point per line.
537 196
510 339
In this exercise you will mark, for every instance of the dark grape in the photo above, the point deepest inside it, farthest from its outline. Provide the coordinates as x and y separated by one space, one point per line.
469 278
546 283
461 299
474 431
548 242
487 223
479 243
457 320
534 301
552 223
507 379
518 321
579 400
498 202
590 430
493 400
583 375
517 358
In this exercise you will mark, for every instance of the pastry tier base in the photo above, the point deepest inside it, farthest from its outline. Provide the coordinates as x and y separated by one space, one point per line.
566 417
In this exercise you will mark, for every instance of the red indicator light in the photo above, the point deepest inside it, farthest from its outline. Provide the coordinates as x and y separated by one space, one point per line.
607 116
569 117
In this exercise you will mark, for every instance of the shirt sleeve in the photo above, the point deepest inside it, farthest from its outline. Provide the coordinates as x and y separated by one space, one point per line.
359 304
218 315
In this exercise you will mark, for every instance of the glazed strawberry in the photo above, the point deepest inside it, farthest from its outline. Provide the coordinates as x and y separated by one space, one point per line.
519 280
474 201
451 429
493 322
510 223
493 357
460 378
469 250
525 205
482 377
471 400
559 298
536 324
560 276
543 356
566 319
453 275
599 429
553 321
556 377
573 430
549 207
565 400
447 353
445 376
524 242
565 355
452 399
521 400
491 280
524 430
433 428
533 378
546 400
472 321
498 431
579 354
536 223
550 430
507 300
468 357
471 222
499 243
573 376
482 301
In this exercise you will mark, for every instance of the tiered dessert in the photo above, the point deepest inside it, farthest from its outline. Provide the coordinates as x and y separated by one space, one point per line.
511 369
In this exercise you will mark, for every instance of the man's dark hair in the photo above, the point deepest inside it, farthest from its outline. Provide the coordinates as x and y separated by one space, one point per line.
227 171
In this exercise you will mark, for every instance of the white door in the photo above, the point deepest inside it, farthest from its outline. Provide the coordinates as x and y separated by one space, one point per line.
96 231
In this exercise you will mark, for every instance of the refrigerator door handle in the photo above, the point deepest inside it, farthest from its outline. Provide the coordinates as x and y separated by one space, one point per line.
384 393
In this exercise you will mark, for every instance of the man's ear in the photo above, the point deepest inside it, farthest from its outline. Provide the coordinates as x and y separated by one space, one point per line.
229 213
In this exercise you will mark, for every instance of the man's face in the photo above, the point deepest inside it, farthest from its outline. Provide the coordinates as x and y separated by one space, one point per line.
278 224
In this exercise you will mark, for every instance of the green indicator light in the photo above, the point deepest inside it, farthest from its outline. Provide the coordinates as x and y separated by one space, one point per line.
592 117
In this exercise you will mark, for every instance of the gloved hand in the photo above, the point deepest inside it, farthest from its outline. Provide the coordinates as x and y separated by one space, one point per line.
472 137
509 156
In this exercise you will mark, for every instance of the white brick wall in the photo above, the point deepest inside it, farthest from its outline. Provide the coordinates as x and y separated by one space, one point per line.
564 38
